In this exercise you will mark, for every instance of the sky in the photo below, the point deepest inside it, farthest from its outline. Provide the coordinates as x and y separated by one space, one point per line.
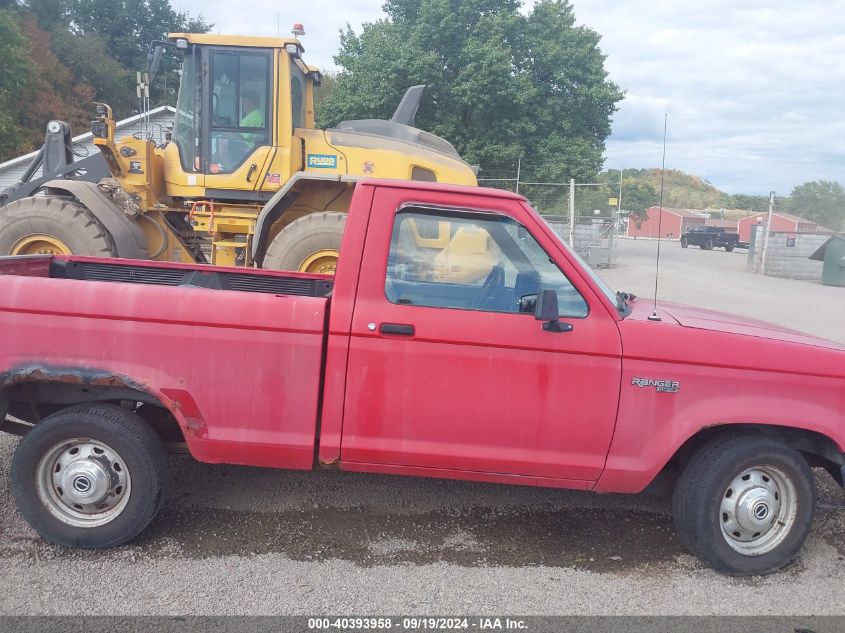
754 90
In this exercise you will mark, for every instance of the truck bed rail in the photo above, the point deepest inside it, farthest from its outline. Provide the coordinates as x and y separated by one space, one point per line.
126 271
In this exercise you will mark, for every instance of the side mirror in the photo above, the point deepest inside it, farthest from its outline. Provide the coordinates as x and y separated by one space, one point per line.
547 310
153 61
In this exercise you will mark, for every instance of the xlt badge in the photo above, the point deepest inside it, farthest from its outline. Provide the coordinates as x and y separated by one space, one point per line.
662 386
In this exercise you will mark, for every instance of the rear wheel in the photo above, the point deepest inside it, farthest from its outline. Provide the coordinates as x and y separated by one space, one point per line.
310 244
729 248
90 476
744 504
49 225
684 243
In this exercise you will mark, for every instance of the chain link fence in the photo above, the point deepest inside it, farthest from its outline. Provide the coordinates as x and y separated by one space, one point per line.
584 214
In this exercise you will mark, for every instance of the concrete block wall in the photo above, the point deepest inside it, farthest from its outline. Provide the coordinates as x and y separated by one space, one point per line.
790 262
586 235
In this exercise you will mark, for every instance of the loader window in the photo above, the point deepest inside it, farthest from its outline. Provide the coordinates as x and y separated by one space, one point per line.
475 262
297 95
239 108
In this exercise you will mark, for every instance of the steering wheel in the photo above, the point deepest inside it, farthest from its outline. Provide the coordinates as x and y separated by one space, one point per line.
494 283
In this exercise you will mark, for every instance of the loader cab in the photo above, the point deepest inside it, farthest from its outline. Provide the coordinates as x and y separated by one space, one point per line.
240 99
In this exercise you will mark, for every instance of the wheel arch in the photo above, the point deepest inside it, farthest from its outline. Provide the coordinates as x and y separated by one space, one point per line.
128 236
820 450
35 391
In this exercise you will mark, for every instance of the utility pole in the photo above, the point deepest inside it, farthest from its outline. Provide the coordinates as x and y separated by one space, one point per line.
572 213
768 230
614 220
518 169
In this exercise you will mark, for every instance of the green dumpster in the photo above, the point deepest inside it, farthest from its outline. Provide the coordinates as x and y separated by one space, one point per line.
832 253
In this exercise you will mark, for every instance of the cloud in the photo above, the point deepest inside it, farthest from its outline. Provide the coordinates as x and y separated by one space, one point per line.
322 19
755 90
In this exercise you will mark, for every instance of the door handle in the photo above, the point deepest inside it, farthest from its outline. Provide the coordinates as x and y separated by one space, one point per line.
251 171
401 329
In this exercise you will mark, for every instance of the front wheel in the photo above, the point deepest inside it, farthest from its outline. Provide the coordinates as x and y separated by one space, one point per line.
729 248
744 504
684 243
90 476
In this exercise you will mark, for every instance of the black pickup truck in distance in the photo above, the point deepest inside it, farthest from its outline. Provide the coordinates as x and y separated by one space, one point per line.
710 237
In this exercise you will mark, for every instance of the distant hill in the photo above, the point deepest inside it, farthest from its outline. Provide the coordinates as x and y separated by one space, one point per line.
641 189
683 191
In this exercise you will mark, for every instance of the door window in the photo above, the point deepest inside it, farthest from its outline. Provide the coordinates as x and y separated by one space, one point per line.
472 261
239 108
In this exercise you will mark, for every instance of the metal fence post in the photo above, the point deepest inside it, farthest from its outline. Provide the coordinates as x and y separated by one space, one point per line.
614 218
768 231
572 213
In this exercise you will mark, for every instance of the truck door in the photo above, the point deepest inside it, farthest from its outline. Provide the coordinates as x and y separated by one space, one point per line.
448 368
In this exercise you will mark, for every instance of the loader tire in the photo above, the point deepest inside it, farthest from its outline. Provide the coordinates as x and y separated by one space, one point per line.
310 244
51 225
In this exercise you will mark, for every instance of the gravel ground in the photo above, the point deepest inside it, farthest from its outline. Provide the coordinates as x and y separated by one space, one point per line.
235 540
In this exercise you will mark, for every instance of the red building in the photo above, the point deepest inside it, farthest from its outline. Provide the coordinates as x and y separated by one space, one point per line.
672 222
781 222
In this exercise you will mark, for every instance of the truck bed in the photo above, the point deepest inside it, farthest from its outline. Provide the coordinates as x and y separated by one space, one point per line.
236 354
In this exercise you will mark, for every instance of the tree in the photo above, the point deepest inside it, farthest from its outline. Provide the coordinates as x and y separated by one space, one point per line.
125 28
326 87
14 80
128 26
86 57
50 14
53 91
821 201
753 203
638 196
501 84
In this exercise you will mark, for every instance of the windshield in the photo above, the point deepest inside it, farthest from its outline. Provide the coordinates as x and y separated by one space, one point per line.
605 289
185 128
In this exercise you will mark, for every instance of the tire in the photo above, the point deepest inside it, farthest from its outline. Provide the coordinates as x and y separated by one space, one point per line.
729 248
128 477
302 238
684 243
62 219
713 481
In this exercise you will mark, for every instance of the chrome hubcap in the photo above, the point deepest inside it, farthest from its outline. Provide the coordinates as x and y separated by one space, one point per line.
83 482
758 510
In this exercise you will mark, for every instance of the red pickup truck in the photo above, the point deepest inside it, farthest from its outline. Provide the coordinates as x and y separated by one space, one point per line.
460 338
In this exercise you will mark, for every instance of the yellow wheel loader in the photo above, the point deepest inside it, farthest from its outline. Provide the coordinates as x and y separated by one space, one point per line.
244 179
